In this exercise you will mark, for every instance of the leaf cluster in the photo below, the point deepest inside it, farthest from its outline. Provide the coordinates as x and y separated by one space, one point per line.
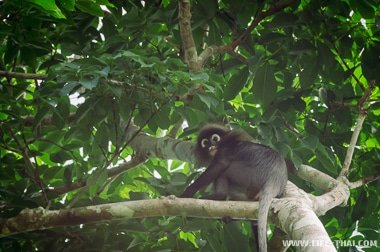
293 83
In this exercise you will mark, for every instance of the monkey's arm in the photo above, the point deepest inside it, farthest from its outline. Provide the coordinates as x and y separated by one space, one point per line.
215 169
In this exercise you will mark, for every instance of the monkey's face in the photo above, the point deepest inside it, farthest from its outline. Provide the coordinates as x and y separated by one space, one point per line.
210 144
209 140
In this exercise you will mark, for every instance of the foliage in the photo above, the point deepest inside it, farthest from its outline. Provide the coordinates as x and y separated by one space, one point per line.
293 83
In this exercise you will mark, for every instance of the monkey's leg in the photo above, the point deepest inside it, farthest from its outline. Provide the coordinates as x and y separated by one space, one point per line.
220 190
215 169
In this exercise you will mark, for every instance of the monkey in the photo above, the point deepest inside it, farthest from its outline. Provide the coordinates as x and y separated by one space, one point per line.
239 169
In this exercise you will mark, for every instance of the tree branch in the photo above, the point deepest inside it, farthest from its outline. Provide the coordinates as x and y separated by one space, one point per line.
191 55
316 177
39 218
279 6
354 138
137 160
364 181
23 75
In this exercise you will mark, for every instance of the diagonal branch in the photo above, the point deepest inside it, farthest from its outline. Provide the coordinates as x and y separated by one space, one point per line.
355 135
137 160
229 48
277 7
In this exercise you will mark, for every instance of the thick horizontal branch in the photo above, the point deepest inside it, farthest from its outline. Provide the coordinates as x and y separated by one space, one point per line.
287 211
39 218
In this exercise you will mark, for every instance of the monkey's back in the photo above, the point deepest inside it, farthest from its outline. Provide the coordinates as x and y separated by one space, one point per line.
252 167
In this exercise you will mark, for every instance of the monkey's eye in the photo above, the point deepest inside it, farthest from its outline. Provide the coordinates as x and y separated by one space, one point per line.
215 138
204 142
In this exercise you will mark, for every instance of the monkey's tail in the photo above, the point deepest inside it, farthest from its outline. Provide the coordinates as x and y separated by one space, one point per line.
264 205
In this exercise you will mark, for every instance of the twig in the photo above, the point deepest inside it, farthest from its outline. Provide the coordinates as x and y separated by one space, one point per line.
351 148
364 181
354 138
279 6
137 160
115 173
23 75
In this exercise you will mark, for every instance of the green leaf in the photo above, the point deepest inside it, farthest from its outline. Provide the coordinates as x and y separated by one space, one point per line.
202 76
68 174
50 6
310 71
209 100
325 158
162 117
284 19
236 83
343 117
89 82
42 112
265 131
95 181
142 117
68 4
125 108
90 7
61 112
63 106
264 85
102 136
371 62
365 9
234 238
60 157
310 142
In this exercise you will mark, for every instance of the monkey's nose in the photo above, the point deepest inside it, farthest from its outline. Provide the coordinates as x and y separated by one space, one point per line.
212 150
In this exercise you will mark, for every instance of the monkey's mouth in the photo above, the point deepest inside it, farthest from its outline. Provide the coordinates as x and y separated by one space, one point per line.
212 150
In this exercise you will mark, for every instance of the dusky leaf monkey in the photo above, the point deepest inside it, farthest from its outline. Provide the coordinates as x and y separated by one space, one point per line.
239 169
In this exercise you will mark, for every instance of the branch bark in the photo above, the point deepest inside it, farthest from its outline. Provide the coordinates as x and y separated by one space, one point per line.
354 138
285 212
191 55
364 181
296 217
39 218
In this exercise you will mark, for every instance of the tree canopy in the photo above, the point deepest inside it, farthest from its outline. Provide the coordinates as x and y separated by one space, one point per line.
101 100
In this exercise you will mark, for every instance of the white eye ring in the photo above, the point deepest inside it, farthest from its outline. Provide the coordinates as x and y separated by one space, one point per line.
215 138
204 142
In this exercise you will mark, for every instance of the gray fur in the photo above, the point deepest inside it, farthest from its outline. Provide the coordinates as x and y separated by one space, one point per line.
241 170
